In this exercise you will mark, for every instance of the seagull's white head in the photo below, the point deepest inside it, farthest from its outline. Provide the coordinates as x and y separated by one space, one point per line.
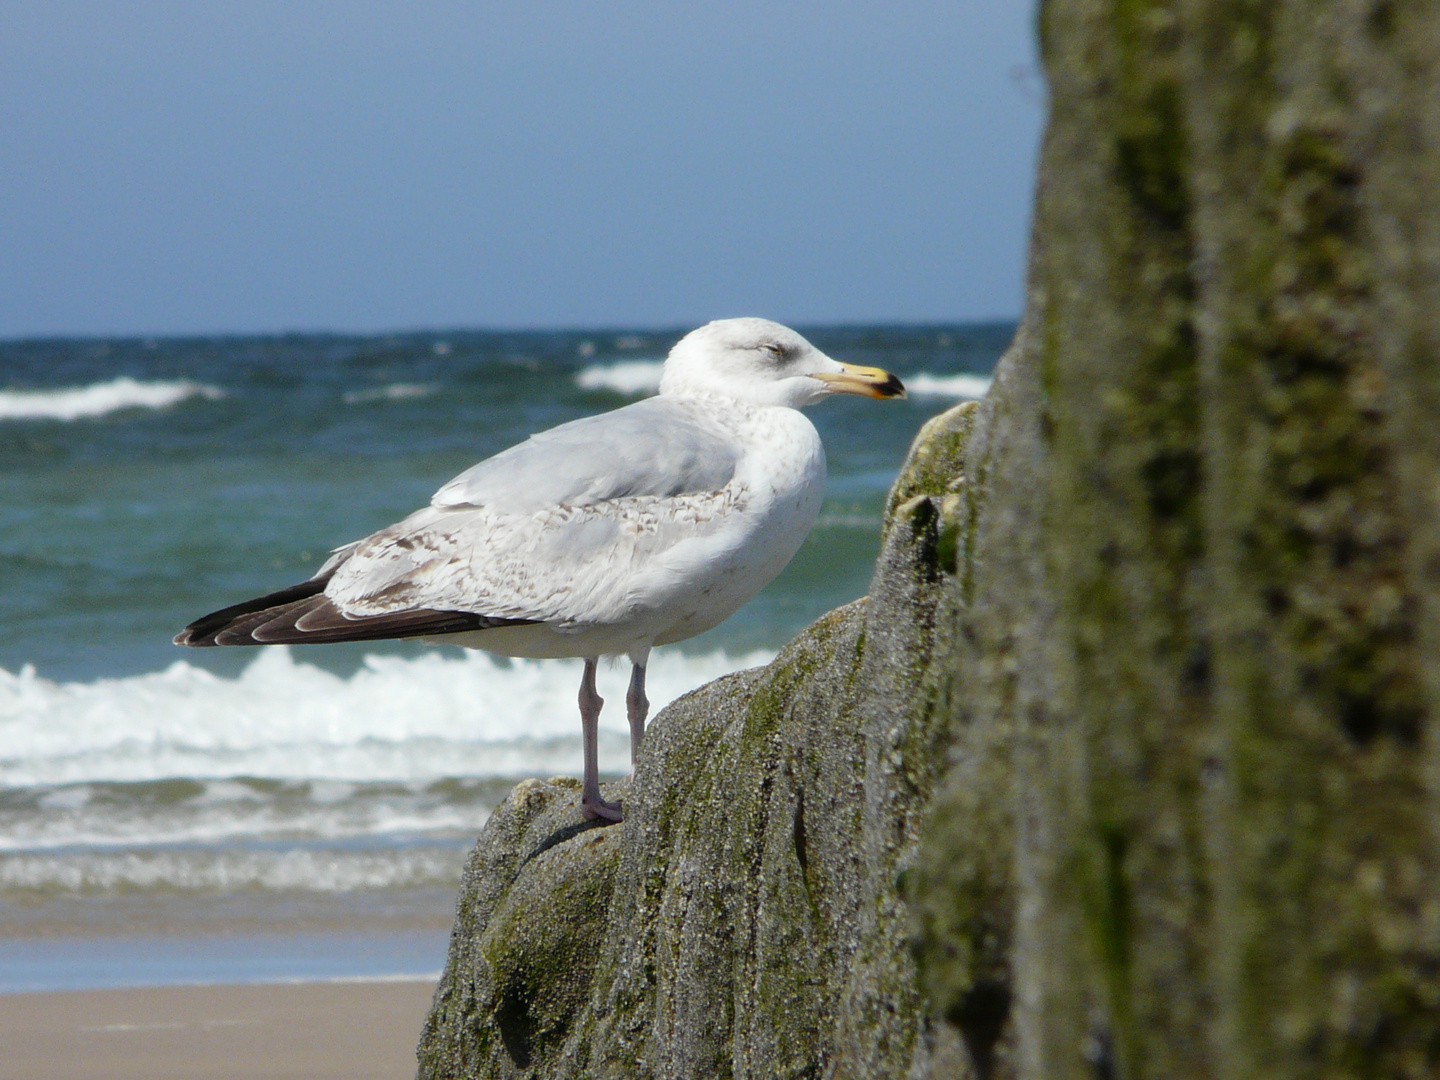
764 363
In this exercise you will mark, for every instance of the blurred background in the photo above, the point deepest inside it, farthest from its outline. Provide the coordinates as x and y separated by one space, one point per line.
272 273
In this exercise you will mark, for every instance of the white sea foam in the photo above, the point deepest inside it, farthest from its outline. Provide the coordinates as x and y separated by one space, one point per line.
288 778
99 399
625 377
439 714
99 817
392 392
923 383
231 869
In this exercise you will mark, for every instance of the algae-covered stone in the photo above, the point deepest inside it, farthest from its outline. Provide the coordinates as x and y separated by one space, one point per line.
743 921
540 974
514 981
999 682
936 467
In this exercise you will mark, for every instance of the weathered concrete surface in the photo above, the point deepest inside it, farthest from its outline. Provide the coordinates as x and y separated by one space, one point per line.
1222 496
744 920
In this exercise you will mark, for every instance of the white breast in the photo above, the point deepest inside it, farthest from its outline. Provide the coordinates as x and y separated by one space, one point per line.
778 487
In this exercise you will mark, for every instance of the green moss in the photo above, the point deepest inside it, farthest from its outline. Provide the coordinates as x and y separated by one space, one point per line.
540 969
934 465
960 895
1329 705
1151 150
1120 363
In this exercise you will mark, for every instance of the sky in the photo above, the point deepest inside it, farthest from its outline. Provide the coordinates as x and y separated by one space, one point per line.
187 167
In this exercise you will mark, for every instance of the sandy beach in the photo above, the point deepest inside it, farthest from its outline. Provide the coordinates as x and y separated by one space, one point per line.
312 1030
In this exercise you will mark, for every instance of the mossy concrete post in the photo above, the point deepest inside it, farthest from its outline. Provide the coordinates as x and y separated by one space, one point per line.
1400 145
1113 333
1203 594
1328 873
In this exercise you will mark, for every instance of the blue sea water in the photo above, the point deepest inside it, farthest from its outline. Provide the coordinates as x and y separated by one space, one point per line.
117 961
145 482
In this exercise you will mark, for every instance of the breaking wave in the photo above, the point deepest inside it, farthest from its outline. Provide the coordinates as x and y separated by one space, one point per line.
100 399
392 392
625 377
956 386
396 718
289 778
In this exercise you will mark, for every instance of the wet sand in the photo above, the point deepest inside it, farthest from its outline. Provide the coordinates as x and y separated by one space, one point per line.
311 1030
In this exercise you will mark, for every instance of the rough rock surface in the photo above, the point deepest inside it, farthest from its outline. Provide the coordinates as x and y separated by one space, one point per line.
744 920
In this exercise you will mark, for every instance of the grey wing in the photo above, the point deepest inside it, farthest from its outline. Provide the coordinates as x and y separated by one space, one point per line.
564 528
658 447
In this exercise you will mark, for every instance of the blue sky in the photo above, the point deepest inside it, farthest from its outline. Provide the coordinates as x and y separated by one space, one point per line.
189 167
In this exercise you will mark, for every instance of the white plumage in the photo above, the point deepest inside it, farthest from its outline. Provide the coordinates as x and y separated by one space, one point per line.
605 536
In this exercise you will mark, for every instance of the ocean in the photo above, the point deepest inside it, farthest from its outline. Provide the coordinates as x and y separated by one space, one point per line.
174 815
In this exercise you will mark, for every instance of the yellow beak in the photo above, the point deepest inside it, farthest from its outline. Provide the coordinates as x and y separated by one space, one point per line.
869 381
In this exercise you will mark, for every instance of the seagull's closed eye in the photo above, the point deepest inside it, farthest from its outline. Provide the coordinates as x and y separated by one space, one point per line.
776 350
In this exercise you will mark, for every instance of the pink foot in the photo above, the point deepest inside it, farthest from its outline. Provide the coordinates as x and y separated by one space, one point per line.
597 808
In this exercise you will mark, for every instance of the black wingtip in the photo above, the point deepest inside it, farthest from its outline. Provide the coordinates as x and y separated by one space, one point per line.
201 633
274 619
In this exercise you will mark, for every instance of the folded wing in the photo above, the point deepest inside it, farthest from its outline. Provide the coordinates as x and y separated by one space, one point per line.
660 447
579 525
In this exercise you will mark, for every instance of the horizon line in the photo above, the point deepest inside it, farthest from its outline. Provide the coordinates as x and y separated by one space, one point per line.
420 331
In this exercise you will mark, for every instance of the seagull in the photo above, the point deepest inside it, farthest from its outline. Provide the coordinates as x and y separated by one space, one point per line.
606 536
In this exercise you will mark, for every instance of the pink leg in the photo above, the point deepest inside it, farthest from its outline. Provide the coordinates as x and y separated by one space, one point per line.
637 707
591 804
